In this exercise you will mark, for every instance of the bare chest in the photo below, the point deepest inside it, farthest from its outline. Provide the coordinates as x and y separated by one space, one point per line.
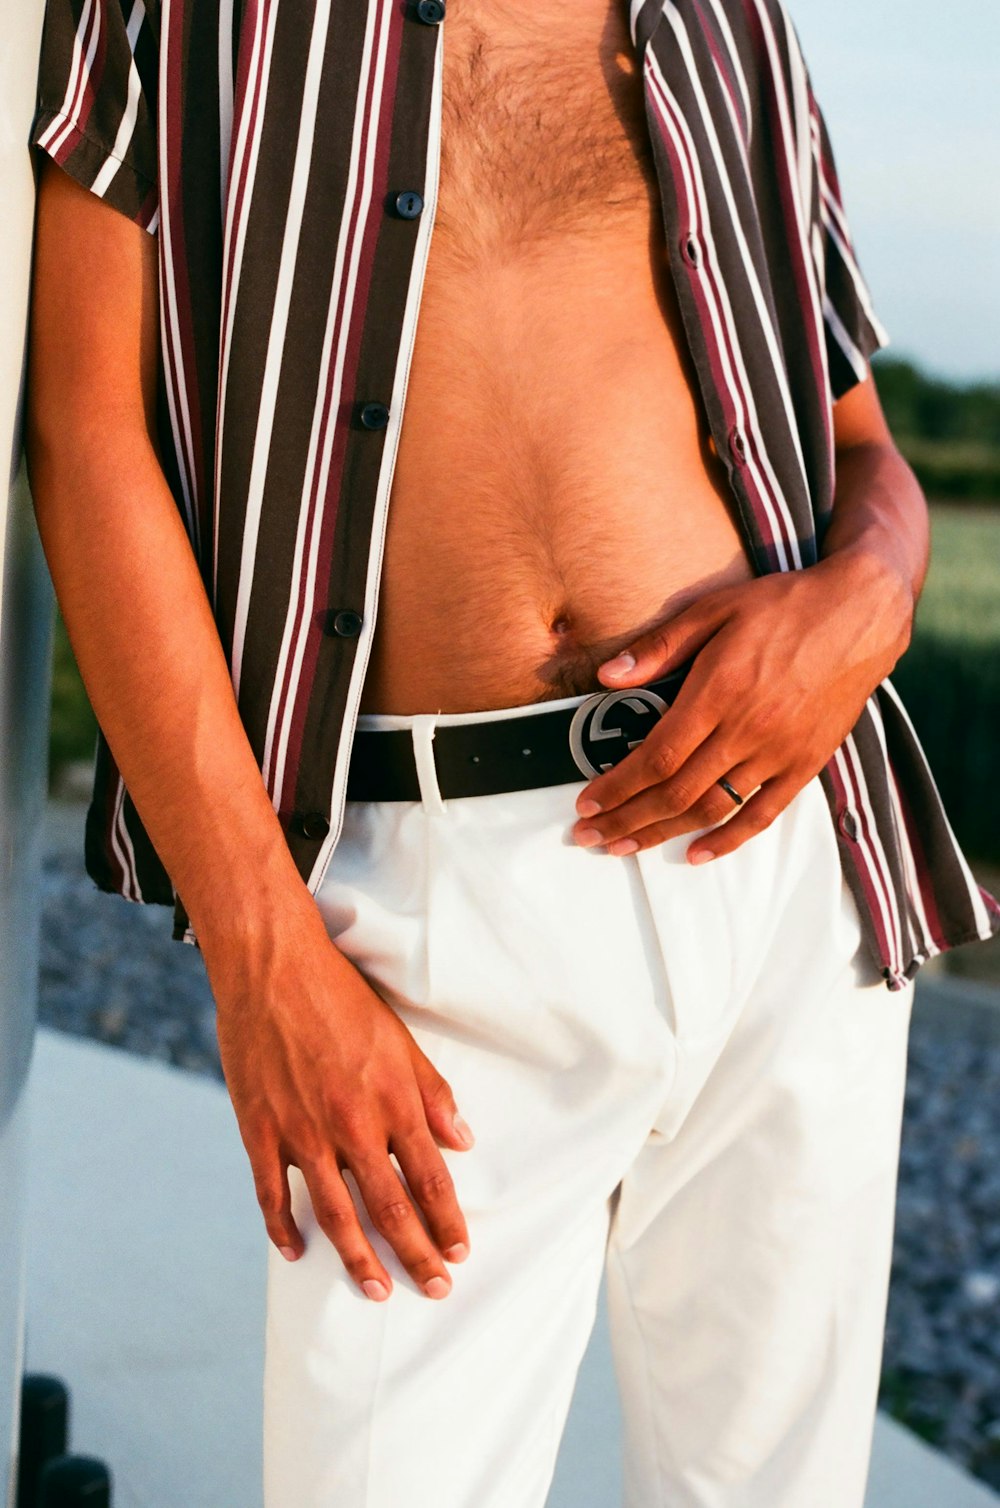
543 120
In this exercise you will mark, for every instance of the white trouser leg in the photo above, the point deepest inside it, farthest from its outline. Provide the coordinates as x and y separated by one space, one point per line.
749 1255
517 960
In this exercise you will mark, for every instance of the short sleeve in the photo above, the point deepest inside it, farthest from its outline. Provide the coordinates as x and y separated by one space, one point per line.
96 106
853 329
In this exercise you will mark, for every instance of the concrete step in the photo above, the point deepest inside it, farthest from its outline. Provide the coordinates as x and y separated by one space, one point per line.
146 1263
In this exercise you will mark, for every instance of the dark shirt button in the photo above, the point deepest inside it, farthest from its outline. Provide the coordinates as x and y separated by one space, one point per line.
346 623
430 12
409 204
738 446
691 251
849 825
313 824
374 416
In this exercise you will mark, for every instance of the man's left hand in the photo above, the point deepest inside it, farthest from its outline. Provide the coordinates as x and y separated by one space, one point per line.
783 666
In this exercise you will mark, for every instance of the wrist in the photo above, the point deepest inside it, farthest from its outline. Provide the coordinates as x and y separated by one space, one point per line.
251 904
874 581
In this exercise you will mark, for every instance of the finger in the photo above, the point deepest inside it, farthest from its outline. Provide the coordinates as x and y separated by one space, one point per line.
711 810
688 722
441 1112
668 644
270 1177
395 1218
692 794
431 1186
337 1217
756 813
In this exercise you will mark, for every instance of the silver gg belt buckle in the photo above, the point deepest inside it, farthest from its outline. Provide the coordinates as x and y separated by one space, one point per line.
590 726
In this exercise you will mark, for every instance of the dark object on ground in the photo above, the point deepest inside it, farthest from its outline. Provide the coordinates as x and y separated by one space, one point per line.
44 1431
75 1482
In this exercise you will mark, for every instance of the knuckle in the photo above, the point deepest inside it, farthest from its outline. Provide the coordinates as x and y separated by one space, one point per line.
352 1125
679 796
659 640
358 1265
714 806
727 684
439 1094
333 1216
391 1214
271 1201
303 1139
256 1131
761 817
433 1186
408 1125
662 761
424 1267
348 1116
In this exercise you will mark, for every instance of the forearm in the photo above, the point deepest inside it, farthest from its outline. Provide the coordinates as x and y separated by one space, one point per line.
880 527
150 657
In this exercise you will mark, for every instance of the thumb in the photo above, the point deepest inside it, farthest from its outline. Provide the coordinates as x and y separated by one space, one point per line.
442 1113
666 647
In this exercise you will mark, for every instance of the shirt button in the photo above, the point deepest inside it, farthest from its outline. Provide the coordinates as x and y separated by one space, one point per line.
346 623
409 204
738 446
374 416
431 12
691 251
312 824
849 825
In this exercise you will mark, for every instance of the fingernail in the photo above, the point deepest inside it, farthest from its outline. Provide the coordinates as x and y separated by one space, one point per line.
289 1253
588 808
436 1288
623 845
463 1132
375 1290
701 857
457 1253
588 836
620 665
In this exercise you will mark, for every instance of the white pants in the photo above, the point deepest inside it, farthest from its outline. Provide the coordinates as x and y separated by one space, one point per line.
691 1077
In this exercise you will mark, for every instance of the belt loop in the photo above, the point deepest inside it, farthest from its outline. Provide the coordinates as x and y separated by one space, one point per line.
423 756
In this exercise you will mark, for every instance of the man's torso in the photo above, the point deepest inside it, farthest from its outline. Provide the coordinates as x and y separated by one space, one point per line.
554 489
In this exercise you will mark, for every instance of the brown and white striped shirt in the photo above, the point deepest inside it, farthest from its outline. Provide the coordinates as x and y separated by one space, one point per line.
286 156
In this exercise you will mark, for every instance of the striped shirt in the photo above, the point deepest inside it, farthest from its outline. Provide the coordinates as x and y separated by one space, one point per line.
287 159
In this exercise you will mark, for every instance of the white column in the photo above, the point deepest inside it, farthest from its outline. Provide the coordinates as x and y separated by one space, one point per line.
25 652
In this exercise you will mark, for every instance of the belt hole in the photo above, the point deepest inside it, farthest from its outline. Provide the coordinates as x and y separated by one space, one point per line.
474 758
525 751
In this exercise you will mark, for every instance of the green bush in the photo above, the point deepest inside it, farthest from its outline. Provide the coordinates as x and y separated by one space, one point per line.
948 431
959 469
950 686
949 678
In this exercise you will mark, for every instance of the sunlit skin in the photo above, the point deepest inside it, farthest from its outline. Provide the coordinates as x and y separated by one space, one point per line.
556 502
783 665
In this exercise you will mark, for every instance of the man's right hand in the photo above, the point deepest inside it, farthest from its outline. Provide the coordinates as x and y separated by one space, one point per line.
324 1076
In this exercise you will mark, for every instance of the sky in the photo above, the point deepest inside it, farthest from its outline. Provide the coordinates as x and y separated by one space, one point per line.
911 94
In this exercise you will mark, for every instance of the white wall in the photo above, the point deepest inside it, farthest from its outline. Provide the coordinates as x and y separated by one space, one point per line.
25 642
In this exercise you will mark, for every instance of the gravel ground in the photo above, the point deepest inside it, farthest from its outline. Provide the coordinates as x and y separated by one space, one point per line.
111 971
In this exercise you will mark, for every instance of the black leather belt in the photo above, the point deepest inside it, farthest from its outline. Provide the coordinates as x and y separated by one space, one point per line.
516 753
